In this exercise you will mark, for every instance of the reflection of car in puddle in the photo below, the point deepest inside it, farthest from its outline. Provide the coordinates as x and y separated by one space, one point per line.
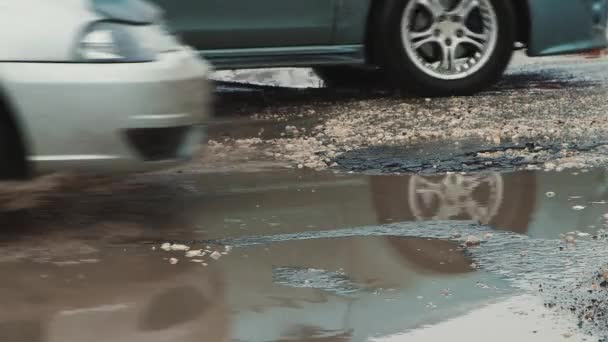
515 202
504 201
454 196
352 288
359 287
362 286
111 294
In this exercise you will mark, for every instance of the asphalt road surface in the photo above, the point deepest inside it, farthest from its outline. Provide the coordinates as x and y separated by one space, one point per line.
334 214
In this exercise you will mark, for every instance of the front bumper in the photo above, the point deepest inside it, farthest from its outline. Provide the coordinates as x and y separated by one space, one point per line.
80 116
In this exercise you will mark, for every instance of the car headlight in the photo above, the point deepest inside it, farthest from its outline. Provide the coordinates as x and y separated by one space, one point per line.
111 42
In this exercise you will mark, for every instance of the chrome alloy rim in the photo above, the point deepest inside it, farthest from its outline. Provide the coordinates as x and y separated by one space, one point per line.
474 197
449 39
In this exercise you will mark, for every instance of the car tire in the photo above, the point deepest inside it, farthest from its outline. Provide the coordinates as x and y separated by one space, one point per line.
351 77
12 166
5 162
412 44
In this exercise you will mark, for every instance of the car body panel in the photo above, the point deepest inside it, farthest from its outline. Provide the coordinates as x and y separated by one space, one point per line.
76 114
55 43
559 27
133 11
230 24
102 117
267 33
286 56
351 21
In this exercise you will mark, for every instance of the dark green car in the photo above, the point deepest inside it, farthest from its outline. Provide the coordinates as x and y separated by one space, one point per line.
434 47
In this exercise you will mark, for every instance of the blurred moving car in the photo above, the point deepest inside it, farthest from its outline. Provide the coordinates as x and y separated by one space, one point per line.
95 85
434 47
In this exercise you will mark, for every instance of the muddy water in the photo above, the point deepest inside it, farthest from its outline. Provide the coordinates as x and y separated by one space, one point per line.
299 256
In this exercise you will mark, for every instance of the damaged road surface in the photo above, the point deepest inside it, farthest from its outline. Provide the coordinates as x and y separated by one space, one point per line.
334 214
548 113
295 255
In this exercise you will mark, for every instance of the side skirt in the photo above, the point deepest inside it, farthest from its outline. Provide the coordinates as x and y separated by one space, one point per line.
303 56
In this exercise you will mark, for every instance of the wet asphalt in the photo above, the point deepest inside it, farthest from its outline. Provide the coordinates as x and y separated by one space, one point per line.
432 242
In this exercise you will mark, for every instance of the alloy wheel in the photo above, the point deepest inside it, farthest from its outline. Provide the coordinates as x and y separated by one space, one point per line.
449 39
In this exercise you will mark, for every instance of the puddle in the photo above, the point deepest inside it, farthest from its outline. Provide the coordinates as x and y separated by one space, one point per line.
333 282
312 256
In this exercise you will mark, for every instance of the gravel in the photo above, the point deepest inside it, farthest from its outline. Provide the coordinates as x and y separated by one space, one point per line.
588 301
559 110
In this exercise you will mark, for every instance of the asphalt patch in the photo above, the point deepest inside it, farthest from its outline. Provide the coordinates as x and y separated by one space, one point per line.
392 159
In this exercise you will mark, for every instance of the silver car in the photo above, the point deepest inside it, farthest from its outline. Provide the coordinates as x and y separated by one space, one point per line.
95 85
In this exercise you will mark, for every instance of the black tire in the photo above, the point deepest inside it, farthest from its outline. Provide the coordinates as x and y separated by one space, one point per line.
5 163
12 163
405 74
351 77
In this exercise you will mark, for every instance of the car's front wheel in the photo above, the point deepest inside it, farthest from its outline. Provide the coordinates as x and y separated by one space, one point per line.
445 47
12 166
6 169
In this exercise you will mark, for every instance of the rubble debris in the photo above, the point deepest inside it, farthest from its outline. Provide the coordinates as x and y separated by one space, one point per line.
178 247
216 255
195 253
174 247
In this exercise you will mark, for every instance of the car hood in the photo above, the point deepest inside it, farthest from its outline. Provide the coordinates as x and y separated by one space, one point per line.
133 11
55 43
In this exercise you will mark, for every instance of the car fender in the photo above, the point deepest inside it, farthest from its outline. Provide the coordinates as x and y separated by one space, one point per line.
48 31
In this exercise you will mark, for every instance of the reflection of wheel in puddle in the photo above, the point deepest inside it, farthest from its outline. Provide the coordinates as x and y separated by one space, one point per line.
456 197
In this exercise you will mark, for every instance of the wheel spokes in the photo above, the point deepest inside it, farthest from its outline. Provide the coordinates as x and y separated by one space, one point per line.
448 58
478 40
476 43
464 8
449 42
418 39
433 6
415 36
482 37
